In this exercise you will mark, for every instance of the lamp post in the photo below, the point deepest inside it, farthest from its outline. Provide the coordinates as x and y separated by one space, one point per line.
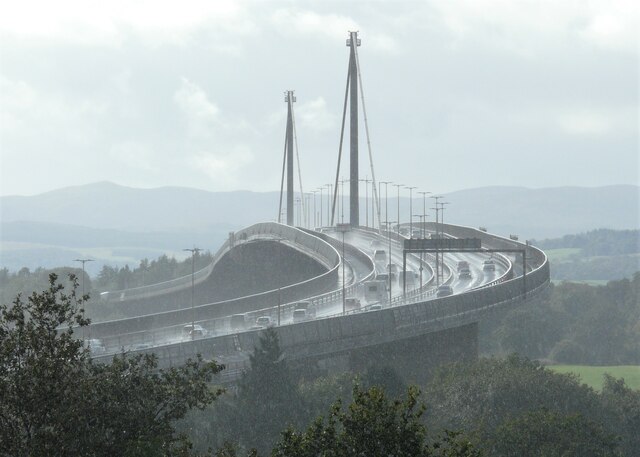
366 182
83 262
421 217
424 211
410 209
343 228
320 189
389 272
437 208
329 194
398 221
314 192
386 199
193 252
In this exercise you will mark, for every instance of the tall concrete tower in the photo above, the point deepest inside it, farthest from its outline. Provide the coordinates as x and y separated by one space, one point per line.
354 201
289 98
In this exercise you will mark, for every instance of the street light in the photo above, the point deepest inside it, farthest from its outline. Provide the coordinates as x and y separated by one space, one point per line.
410 209
329 194
193 252
315 222
343 228
424 211
386 199
421 217
83 262
321 188
437 208
389 262
398 221
366 182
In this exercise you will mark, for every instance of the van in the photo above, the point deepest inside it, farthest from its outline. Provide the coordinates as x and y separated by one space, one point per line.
411 278
488 265
300 315
375 290
463 264
238 322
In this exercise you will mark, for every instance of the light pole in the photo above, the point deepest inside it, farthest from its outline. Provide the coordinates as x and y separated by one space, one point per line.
329 194
343 228
193 252
421 217
437 208
386 199
315 222
83 262
424 211
398 221
321 188
389 272
410 209
366 182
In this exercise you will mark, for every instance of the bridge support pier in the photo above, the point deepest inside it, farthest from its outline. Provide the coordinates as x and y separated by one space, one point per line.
415 359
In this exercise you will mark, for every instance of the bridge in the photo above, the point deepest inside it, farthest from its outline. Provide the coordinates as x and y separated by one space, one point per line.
333 292
336 339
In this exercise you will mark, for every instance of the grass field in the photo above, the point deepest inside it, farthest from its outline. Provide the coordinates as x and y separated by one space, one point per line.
592 375
591 282
562 254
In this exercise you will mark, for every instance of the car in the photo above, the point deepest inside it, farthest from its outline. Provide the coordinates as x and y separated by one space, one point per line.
193 331
463 264
300 315
380 255
140 346
464 273
95 346
488 265
444 291
264 321
382 277
238 322
376 307
352 304
309 307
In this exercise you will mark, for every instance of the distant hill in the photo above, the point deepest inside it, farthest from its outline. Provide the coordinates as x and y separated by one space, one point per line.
118 224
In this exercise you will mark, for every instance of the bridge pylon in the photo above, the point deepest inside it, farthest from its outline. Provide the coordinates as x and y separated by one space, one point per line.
352 90
287 161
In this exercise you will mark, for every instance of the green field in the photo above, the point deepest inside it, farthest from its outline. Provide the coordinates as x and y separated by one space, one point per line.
592 375
562 254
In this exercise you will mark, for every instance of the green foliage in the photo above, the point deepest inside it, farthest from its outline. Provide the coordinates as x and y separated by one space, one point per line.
597 242
579 324
56 401
544 433
267 395
372 425
511 405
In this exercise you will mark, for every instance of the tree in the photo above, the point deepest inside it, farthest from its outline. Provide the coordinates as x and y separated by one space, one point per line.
372 425
56 401
268 396
549 434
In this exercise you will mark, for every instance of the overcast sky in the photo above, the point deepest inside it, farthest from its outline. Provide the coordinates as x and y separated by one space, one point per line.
458 93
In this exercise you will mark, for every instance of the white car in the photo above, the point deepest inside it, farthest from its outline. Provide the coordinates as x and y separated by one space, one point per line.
444 291
264 321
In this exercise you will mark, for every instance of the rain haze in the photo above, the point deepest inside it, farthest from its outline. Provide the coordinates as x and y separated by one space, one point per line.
183 269
459 94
